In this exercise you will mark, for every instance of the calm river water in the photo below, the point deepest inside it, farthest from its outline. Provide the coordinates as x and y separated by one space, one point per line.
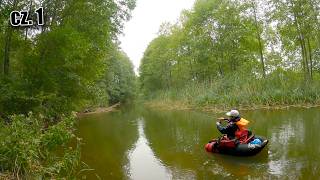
147 144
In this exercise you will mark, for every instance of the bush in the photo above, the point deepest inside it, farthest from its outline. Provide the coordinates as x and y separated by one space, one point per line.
30 148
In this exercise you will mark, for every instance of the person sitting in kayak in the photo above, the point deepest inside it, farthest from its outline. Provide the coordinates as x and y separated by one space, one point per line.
236 128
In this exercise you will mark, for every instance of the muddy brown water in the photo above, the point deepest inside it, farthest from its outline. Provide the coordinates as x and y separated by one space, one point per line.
146 144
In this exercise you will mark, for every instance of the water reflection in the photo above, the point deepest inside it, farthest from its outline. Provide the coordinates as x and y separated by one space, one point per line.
281 138
143 164
107 138
292 147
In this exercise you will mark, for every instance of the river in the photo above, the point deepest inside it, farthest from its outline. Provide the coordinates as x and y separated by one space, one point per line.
147 144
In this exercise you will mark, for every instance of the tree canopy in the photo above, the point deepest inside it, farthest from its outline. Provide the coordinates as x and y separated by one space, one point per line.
58 65
220 38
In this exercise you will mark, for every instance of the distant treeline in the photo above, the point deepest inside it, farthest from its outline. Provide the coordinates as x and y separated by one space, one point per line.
237 52
70 63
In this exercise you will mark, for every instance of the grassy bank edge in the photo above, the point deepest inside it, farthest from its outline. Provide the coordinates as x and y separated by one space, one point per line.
184 106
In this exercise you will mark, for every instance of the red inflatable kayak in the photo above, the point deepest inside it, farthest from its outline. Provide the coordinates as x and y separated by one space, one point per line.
232 147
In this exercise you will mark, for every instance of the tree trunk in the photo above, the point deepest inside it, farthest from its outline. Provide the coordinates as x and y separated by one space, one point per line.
6 60
170 76
310 58
220 64
316 21
191 69
30 10
259 40
7 46
305 52
302 43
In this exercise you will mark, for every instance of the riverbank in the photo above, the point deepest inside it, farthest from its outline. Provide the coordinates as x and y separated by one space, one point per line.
184 106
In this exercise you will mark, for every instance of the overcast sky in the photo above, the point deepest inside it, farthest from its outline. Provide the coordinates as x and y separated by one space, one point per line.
145 22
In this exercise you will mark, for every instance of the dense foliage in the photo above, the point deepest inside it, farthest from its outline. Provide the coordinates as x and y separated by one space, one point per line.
58 65
28 148
235 53
70 63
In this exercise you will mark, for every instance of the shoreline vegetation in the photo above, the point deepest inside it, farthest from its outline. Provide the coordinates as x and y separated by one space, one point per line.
183 106
243 93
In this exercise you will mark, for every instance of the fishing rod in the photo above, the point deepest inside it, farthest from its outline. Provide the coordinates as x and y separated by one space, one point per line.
222 119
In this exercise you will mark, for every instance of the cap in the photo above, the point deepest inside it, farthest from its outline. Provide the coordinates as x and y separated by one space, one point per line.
233 113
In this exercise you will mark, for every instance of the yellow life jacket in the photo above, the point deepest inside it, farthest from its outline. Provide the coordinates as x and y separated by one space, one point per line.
242 124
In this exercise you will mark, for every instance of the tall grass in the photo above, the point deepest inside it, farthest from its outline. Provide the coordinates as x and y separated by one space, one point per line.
284 88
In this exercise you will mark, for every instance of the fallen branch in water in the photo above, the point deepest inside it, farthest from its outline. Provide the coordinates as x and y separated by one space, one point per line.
99 110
